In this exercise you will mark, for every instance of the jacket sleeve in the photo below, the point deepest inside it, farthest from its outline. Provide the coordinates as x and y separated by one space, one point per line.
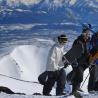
77 41
53 56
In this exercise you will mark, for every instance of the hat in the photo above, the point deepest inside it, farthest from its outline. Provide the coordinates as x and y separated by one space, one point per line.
62 38
86 27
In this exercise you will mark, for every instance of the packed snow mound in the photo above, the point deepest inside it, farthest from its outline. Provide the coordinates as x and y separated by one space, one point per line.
8 67
31 60
19 70
26 62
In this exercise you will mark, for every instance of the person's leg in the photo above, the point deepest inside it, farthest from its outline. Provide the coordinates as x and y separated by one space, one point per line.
96 86
61 80
49 84
77 79
69 77
91 82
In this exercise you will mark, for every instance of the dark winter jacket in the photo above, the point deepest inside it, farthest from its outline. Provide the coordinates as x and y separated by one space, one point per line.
94 45
94 50
83 59
94 40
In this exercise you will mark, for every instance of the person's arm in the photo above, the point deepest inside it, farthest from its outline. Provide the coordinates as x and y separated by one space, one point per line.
53 56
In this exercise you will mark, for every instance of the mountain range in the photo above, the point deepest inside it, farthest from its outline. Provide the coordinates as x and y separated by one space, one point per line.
49 11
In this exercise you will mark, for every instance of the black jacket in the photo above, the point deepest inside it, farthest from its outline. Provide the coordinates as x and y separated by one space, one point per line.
83 59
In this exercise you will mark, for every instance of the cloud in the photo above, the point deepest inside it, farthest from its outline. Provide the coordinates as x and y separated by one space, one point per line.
72 2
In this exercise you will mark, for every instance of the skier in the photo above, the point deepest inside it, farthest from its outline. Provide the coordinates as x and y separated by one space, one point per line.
94 58
94 39
80 64
55 67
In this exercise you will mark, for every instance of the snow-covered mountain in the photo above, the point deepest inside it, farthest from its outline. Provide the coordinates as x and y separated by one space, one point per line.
49 11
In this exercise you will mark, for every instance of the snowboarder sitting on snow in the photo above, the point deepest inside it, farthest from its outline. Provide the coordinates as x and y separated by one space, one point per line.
55 68
80 64
93 80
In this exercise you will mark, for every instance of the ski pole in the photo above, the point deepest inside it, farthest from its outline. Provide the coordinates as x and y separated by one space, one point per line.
85 80
87 75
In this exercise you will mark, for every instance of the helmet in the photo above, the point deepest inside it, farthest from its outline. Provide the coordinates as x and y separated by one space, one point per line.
87 26
62 38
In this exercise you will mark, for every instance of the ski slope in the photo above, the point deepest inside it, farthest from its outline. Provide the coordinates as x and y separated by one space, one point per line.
25 63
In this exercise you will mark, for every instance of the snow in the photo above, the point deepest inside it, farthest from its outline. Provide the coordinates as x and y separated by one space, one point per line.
27 60
20 69
26 2
9 67
20 86
51 3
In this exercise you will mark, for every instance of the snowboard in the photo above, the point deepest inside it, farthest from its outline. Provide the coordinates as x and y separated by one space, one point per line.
74 53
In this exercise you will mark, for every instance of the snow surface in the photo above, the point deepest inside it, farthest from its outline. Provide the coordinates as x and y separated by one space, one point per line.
26 61
24 64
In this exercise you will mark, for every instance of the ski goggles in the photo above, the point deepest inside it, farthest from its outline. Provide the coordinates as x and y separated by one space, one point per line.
63 40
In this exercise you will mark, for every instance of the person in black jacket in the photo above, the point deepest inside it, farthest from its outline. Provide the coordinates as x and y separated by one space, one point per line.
80 64
92 79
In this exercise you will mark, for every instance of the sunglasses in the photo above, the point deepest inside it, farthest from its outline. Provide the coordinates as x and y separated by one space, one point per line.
63 40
